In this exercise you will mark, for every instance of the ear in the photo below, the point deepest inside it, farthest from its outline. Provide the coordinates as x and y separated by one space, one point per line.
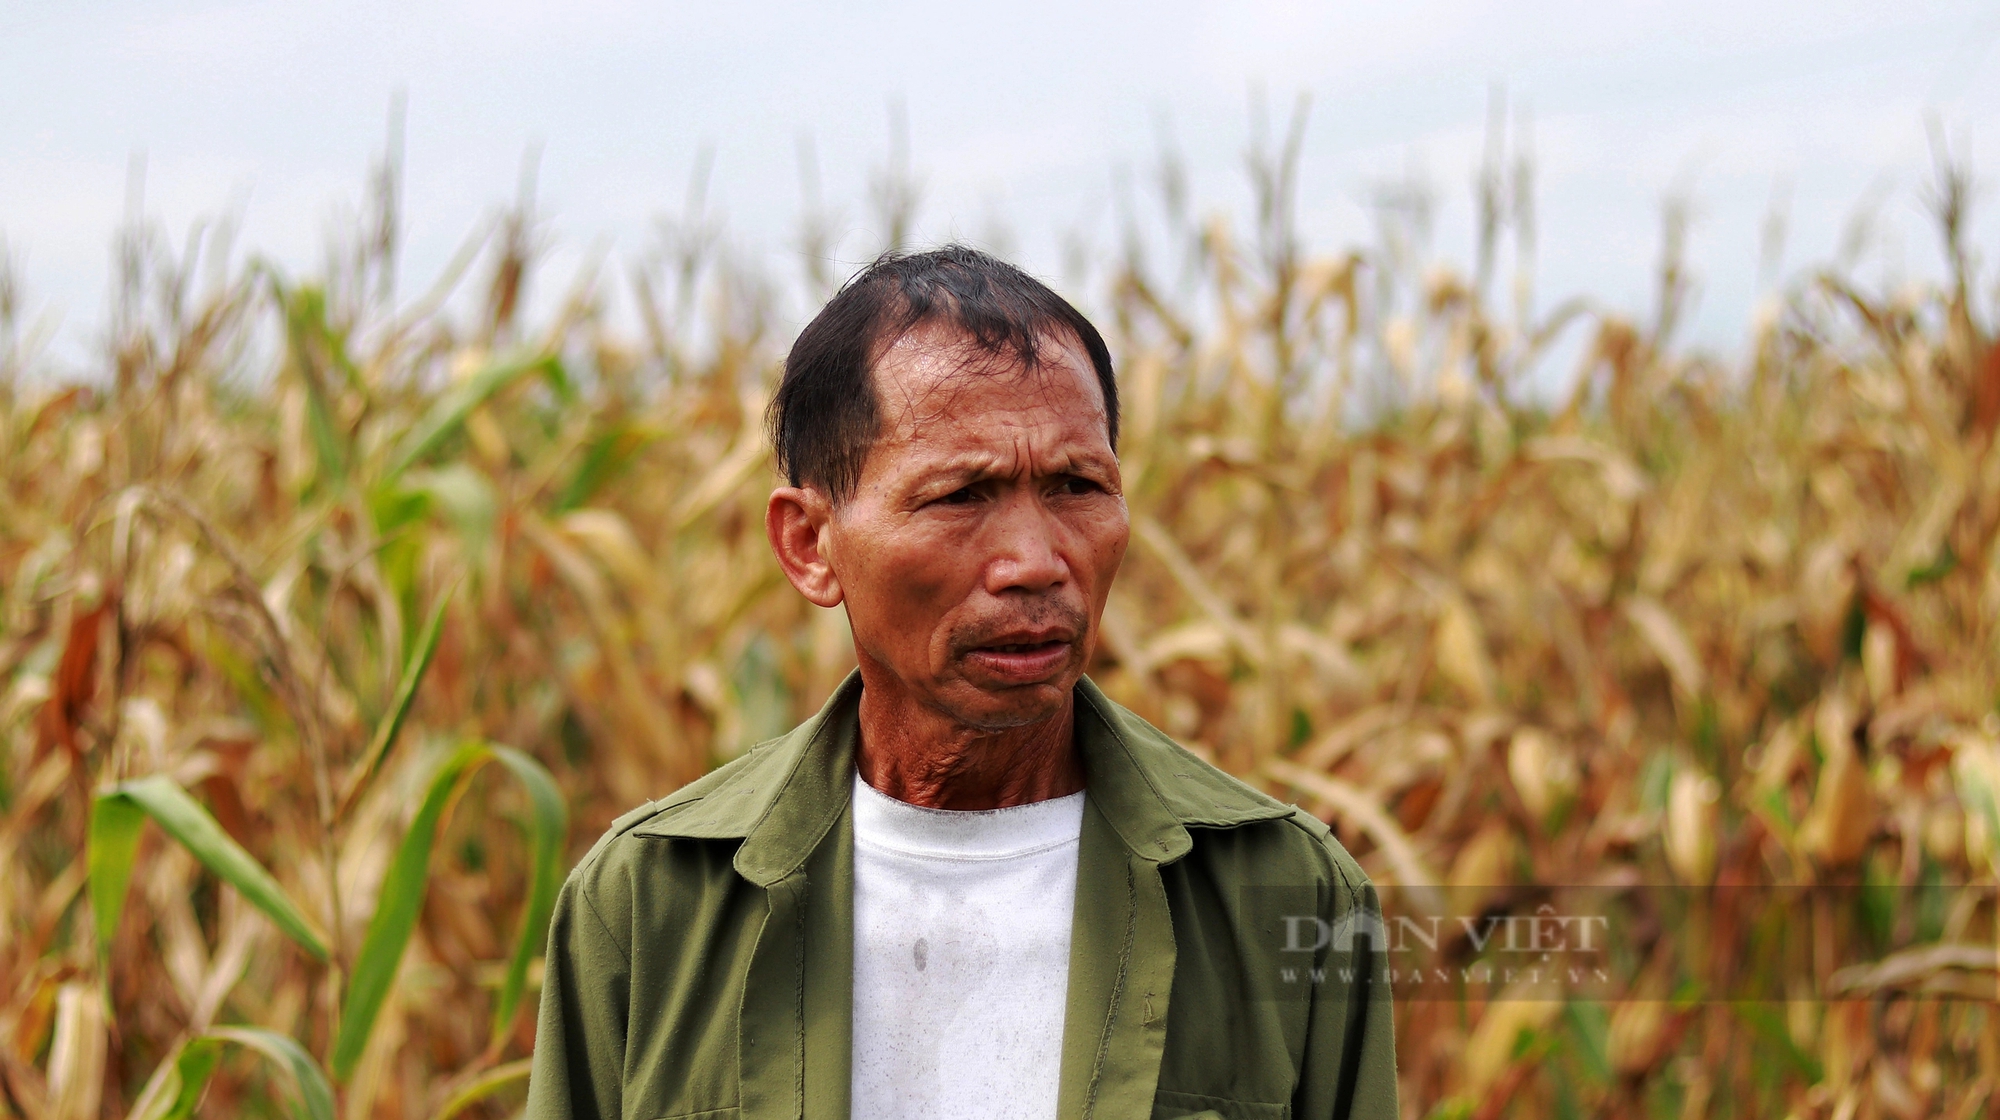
796 521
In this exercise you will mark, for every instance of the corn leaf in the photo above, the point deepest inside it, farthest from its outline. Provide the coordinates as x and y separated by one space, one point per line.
464 496
404 887
606 457
396 912
111 849
449 413
115 821
391 724
176 1087
314 344
315 1095
549 826
327 443
1977 768
484 1086
191 1071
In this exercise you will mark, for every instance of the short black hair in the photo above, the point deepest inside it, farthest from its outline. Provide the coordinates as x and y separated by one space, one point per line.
824 418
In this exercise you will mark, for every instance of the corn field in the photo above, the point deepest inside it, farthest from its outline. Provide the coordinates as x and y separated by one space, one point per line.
280 578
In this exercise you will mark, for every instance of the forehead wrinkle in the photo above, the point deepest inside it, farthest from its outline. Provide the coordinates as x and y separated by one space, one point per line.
914 422
944 363
1006 435
1015 457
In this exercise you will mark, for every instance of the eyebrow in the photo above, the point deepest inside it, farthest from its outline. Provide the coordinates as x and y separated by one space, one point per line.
977 465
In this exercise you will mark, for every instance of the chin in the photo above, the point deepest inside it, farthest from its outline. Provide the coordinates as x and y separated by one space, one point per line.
1003 708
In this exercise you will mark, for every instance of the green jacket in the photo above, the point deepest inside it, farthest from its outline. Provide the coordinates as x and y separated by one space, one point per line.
700 962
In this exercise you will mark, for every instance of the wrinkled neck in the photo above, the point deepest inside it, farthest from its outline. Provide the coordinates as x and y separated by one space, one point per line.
923 757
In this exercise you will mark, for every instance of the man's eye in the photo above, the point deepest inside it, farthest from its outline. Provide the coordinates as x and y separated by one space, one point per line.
1075 485
957 497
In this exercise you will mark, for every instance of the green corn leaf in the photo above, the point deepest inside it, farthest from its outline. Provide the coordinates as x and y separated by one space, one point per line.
192 1070
559 382
464 496
396 912
314 346
1768 1024
109 852
176 1085
484 1086
315 1095
174 1089
328 445
115 820
399 708
404 886
549 825
451 409
603 460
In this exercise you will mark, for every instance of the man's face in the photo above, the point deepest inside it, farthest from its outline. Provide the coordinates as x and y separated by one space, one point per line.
977 551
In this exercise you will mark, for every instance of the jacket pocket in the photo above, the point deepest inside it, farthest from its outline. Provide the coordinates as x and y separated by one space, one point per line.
1169 1105
730 1113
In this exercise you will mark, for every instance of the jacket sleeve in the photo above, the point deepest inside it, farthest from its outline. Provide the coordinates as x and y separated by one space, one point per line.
578 1071
1349 1070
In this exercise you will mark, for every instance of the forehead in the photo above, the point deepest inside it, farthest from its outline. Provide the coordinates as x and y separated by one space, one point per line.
936 380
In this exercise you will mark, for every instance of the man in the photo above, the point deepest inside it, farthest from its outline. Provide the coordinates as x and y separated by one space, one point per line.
971 886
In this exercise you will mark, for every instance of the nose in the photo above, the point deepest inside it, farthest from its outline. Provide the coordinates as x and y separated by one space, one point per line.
1025 553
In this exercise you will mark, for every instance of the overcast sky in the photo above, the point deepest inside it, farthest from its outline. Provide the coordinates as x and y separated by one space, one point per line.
1021 116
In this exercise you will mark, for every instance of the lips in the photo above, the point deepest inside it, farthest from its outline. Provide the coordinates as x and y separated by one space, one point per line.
1020 662
1023 655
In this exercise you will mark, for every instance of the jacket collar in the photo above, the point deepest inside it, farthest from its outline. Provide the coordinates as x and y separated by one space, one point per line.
1150 788
783 797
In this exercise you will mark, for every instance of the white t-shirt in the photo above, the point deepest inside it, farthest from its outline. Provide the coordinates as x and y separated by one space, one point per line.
961 957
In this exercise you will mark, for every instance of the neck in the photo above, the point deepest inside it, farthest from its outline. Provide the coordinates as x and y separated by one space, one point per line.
923 757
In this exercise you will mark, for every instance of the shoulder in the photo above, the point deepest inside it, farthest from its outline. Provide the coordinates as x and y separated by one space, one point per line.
1224 813
641 840
1197 793
1296 849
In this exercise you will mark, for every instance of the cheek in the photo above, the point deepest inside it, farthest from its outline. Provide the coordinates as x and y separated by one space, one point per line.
1114 551
1101 537
905 573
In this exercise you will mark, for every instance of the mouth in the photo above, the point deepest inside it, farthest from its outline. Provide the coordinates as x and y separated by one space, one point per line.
1026 659
1022 647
